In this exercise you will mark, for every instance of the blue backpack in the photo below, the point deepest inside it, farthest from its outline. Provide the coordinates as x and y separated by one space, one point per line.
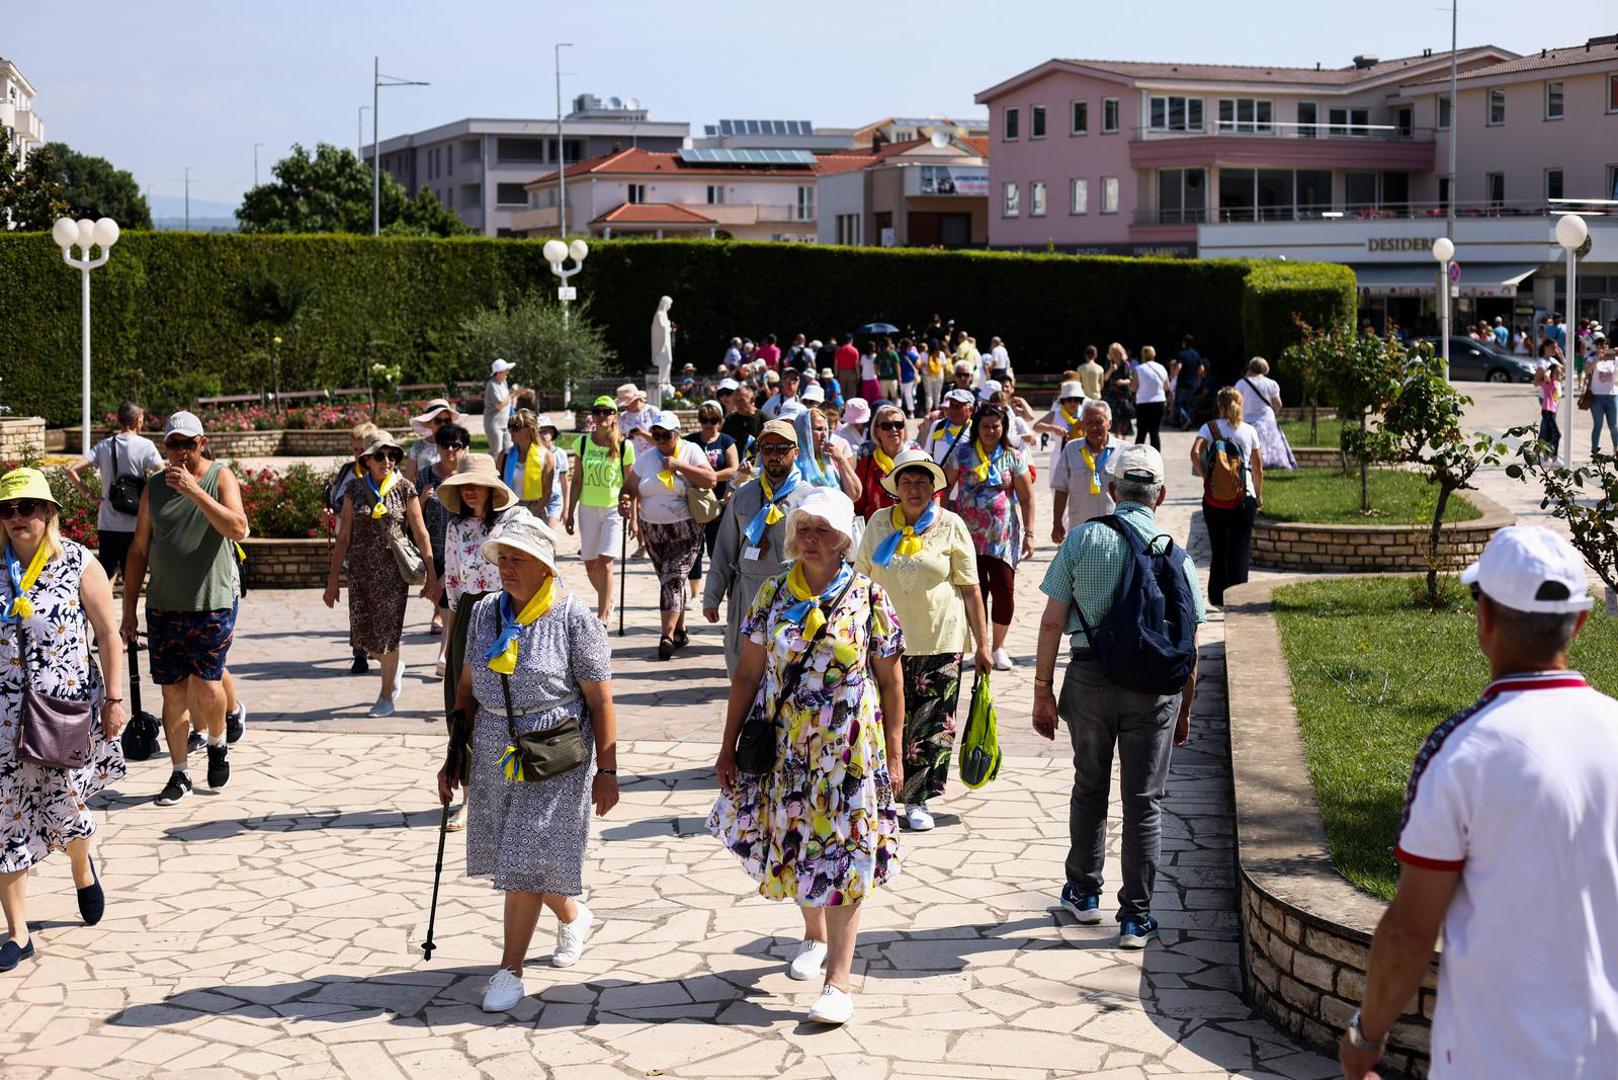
1147 641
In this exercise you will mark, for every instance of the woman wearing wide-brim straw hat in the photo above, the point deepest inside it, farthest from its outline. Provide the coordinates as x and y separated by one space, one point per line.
923 556
530 835
423 452
477 500
55 594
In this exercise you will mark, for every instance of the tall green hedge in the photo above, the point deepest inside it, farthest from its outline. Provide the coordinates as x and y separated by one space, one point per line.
169 322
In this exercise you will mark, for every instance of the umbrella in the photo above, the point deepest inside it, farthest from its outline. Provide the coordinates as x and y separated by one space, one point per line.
878 328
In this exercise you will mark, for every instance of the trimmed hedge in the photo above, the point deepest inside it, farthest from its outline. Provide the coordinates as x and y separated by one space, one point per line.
169 322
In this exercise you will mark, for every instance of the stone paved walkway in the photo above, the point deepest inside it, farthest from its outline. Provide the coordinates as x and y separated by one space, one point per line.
273 929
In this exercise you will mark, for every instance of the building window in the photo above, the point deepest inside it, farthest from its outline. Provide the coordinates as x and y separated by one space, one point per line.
1612 181
637 193
1612 93
1012 123
1081 118
1012 197
1036 198
1109 115
1181 196
1495 184
1353 122
1109 194
1078 196
1245 115
1443 193
1553 101
1175 114
716 194
1553 183
1497 105
1308 120
450 155
806 202
1036 121
1443 112
510 194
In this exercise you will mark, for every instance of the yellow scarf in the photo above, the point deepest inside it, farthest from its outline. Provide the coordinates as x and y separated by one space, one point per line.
1071 421
1090 462
981 469
883 461
799 587
774 514
505 660
911 544
666 476
532 487
379 509
21 607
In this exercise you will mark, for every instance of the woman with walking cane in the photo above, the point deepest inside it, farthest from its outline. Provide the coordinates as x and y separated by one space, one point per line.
538 663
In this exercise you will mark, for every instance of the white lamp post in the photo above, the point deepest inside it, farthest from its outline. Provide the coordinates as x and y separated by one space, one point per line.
1571 232
556 253
85 234
1443 251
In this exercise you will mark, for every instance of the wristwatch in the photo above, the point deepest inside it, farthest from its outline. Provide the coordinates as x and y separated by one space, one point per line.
1357 1037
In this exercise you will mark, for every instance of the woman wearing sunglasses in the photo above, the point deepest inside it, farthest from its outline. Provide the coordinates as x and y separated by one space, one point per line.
54 594
888 440
598 503
450 442
662 518
721 452
378 511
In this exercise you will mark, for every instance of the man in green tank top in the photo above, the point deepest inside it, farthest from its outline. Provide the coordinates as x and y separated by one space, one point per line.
189 522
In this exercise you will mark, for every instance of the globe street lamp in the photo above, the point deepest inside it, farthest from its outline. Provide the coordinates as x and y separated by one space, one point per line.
1443 251
85 234
556 253
1571 233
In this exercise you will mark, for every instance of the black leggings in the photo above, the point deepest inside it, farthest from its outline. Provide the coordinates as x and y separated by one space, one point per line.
1230 536
1149 422
998 581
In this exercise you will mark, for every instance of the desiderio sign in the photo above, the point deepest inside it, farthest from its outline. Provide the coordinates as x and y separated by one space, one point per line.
1388 244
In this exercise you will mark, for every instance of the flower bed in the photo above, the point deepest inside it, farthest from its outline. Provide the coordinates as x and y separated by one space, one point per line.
296 442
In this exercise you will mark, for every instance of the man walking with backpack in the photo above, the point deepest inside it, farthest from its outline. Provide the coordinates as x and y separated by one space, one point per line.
1129 597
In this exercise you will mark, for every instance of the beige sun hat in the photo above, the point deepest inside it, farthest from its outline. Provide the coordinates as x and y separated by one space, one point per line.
379 440
522 531
913 458
422 425
478 470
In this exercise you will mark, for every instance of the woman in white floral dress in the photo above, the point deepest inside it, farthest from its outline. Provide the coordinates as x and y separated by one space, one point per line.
53 593
820 828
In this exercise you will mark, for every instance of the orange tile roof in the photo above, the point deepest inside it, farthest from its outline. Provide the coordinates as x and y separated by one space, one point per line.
652 214
637 162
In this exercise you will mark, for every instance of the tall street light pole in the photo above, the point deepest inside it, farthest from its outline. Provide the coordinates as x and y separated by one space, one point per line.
188 169
378 81
1571 233
1454 127
1444 251
84 235
561 151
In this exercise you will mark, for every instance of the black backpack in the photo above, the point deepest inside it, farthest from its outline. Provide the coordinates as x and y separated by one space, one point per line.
1147 641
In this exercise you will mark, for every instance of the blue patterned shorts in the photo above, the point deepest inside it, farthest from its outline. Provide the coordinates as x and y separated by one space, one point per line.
186 643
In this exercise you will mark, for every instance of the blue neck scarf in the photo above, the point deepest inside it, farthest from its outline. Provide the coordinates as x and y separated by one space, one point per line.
772 502
885 551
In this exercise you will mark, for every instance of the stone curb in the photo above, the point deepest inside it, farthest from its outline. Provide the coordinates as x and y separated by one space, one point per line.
1305 545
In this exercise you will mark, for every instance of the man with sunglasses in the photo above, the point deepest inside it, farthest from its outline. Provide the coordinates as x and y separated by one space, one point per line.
749 547
190 518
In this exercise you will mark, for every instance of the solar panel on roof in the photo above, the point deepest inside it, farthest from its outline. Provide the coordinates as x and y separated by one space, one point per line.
747 157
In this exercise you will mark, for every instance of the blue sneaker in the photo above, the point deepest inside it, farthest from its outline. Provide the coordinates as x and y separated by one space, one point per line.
1134 933
1085 907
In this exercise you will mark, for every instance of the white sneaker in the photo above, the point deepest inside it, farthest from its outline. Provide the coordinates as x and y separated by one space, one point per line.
571 937
1002 660
832 1007
398 681
918 818
383 707
808 962
505 990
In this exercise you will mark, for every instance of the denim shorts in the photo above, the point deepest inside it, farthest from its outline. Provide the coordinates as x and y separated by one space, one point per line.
181 644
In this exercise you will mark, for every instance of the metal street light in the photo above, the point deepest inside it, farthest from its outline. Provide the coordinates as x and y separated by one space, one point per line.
1444 251
556 253
1571 233
377 84
85 234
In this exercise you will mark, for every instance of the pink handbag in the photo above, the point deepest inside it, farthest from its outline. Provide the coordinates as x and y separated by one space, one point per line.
52 731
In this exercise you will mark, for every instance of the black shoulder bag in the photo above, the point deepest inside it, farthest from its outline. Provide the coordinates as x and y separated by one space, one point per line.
756 745
124 491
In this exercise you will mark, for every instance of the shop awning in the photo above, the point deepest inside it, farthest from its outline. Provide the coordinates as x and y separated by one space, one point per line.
1421 279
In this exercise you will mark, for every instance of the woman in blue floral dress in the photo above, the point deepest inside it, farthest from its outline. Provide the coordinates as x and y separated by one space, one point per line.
820 828
55 594
996 500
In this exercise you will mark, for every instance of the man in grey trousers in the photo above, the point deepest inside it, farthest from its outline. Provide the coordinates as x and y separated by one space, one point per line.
1083 576
748 549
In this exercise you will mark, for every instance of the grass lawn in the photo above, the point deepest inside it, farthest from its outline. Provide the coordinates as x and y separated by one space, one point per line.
1371 676
1329 496
1329 432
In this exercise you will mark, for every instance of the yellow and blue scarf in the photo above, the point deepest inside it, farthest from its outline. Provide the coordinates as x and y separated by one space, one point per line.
987 469
1097 465
379 509
502 655
806 611
22 581
771 512
531 487
1072 422
905 539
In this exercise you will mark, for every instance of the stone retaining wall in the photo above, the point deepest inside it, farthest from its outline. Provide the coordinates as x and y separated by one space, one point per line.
1306 932
1301 545
1318 457
291 442
21 436
287 563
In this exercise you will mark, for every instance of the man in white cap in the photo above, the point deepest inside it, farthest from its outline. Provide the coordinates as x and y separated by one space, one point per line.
946 433
498 394
1509 841
1105 706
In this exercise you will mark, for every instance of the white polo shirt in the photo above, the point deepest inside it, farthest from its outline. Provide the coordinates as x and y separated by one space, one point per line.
1519 794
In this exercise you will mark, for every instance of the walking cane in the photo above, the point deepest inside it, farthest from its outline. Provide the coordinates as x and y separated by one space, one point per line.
438 870
623 572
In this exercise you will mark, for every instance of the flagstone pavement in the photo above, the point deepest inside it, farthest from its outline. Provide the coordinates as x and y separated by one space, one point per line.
274 928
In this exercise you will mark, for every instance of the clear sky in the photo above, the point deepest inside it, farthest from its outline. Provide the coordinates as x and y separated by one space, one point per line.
156 85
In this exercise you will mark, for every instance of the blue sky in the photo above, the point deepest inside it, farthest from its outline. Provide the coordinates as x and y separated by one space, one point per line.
161 84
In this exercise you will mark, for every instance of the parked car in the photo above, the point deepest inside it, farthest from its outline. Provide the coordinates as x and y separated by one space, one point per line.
1473 361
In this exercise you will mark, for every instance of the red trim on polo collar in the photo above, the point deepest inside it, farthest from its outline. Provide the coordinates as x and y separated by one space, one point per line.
1542 680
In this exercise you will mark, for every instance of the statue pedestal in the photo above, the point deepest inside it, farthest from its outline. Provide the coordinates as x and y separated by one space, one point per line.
21 436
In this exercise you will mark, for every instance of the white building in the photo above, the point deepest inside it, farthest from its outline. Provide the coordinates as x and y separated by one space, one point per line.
23 127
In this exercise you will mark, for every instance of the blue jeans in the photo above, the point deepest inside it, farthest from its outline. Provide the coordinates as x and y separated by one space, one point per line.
1603 407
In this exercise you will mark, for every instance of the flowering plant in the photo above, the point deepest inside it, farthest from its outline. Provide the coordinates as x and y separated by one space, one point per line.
284 504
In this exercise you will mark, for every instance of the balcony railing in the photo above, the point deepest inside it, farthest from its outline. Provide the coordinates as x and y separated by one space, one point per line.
1385 212
1282 129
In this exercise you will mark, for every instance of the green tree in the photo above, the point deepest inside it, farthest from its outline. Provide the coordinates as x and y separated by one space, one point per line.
1362 375
94 189
329 191
278 305
555 350
31 196
1585 497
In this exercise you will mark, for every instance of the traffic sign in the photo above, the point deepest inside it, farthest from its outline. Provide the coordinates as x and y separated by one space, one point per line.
1454 272
567 292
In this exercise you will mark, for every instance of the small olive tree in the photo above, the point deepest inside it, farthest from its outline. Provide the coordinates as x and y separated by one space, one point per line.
1362 376
1586 497
554 350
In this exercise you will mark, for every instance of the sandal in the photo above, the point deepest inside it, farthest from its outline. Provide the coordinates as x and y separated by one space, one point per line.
680 638
457 820
665 648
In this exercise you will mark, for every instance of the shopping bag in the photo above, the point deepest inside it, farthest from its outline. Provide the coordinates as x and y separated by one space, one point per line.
980 741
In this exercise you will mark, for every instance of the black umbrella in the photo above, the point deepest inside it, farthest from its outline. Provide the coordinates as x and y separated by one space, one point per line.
140 734
878 328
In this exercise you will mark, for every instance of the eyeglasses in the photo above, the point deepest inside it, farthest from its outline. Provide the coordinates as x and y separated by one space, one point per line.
441 418
20 508
891 425
453 446
776 448
603 412
179 445
661 435
387 455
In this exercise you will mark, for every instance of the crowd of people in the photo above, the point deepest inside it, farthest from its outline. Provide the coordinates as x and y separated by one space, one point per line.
857 564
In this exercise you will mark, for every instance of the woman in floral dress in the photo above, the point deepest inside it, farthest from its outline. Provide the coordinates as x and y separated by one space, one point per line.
820 829
54 593
994 486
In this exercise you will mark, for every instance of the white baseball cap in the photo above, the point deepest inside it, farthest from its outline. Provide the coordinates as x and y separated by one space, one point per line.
1140 463
183 423
989 388
500 365
812 393
668 420
728 384
1530 568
